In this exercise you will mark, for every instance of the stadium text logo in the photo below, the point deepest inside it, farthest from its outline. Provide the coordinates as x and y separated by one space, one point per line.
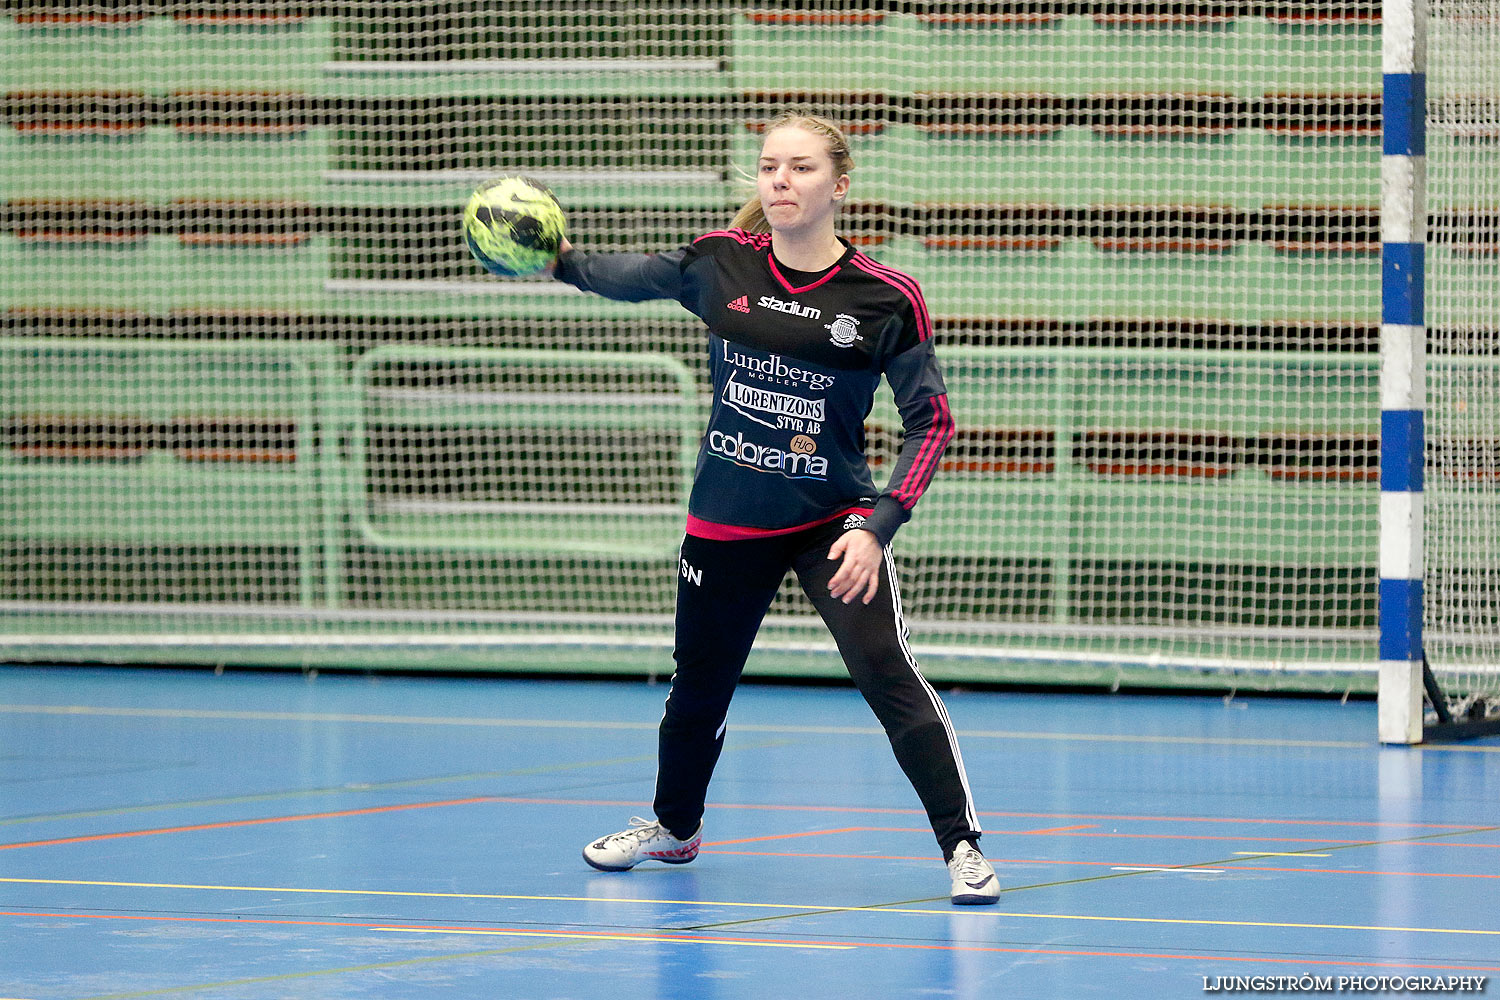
790 464
775 369
776 410
790 308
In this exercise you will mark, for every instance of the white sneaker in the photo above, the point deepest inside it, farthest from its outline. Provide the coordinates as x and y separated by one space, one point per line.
974 882
645 840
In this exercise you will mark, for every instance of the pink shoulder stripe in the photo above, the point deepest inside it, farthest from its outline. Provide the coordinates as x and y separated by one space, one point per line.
925 466
926 454
919 476
907 286
741 236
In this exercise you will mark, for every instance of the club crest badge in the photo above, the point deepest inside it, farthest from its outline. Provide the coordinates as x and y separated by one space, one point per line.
843 331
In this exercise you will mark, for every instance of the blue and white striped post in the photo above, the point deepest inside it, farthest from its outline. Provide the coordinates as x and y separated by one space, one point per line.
1403 235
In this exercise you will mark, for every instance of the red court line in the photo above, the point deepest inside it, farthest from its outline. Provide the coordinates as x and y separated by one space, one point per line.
1268 821
484 799
261 821
1073 831
1236 866
880 811
793 836
1266 840
868 829
714 939
1229 865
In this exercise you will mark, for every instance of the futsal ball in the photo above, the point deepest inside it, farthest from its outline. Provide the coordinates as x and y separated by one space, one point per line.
513 226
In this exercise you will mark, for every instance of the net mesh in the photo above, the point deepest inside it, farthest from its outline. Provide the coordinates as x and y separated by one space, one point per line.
259 404
1462 586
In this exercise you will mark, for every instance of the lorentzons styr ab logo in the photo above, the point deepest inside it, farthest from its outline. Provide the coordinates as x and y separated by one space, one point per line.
843 331
776 410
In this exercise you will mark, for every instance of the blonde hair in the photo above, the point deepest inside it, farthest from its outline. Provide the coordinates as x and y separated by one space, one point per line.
752 216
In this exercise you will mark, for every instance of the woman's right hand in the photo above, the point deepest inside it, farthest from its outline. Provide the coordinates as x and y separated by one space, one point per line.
563 247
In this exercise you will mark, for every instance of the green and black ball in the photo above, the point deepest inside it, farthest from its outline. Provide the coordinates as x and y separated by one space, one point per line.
513 226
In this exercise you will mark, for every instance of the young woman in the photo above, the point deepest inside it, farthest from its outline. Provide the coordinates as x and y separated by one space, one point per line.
801 328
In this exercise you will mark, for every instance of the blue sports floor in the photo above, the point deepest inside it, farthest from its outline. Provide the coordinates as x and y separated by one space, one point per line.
181 834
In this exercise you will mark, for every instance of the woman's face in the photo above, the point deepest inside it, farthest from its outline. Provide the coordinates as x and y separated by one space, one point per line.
798 189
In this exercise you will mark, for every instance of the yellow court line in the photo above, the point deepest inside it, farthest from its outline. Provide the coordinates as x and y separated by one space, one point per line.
1281 854
339 971
1217 923
876 908
419 895
437 720
429 720
1460 747
648 938
250 716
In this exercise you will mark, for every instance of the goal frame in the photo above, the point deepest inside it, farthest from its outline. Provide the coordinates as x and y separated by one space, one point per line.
1407 686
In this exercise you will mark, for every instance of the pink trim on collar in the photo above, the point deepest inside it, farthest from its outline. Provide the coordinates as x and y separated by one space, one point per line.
771 258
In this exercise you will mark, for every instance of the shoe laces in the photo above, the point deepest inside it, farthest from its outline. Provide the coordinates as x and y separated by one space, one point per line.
640 830
969 864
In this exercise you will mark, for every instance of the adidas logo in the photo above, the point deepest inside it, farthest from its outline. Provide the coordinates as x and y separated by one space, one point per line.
741 304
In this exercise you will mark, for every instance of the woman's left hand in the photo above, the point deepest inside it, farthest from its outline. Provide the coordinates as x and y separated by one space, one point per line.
859 574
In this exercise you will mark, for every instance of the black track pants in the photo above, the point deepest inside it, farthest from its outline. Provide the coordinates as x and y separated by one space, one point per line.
723 591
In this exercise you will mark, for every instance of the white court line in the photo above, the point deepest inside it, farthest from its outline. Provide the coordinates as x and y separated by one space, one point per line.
882 909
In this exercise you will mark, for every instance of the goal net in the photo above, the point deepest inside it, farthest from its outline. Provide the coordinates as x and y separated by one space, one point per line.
259 406
1462 580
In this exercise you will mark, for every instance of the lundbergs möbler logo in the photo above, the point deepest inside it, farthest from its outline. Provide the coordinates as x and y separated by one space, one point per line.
774 368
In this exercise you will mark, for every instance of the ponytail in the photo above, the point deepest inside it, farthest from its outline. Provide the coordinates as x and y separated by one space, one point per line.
751 217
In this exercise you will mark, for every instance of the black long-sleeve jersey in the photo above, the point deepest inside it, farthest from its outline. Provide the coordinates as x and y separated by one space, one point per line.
795 358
